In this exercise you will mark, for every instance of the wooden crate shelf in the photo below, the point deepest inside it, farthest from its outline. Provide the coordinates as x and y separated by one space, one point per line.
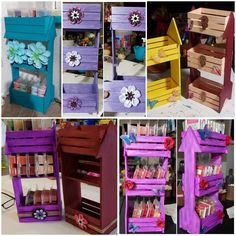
31 143
207 58
88 155
165 49
82 98
191 145
215 59
33 30
208 21
120 22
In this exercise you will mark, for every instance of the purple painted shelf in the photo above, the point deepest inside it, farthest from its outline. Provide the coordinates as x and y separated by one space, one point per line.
33 142
121 21
199 186
154 147
82 98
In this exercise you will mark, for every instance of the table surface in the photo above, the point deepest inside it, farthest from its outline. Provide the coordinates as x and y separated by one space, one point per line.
11 225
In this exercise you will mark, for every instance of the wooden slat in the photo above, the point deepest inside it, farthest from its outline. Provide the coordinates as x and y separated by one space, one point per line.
30 141
29 134
151 139
77 142
145 153
144 146
80 151
31 149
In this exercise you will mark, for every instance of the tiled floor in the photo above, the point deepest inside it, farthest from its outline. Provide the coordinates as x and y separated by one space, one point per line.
13 110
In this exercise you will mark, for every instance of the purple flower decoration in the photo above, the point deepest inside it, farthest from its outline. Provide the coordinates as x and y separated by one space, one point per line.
135 18
75 15
74 103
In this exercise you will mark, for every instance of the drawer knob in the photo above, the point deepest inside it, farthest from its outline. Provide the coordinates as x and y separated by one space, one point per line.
203 96
204 22
202 60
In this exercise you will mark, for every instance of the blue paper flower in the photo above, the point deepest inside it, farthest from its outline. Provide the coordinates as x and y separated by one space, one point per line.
37 55
16 52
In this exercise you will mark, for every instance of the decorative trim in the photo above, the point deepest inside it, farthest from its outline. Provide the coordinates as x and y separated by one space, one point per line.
73 58
74 103
129 96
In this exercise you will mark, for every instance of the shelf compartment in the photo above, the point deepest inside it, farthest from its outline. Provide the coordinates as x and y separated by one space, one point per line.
112 102
90 20
120 18
40 104
211 221
215 182
162 90
87 102
206 92
89 58
207 58
162 49
161 181
148 224
208 21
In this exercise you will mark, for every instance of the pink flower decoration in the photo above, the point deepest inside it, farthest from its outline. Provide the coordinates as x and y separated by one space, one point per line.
81 221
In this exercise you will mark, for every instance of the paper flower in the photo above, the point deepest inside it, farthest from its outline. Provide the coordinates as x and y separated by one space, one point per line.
37 55
16 52
135 18
160 223
129 184
81 221
169 143
203 184
39 214
74 103
204 22
220 215
228 140
130 96
75 15
73 58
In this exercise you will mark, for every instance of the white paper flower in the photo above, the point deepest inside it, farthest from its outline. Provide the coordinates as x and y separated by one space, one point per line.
73 58
135 18
39 214
130 96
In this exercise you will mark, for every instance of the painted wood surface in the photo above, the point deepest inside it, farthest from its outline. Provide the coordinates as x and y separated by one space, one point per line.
159 50
192 144
86 147
91 19
120 18
146 146
33 142
211 59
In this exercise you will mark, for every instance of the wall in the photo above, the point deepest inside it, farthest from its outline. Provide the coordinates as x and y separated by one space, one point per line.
6 69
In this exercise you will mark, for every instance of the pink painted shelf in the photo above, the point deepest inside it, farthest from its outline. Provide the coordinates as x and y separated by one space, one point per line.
150 147
200 186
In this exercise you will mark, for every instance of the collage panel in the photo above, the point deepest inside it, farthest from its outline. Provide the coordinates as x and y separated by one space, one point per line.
124 59
147 176
205 179
31 66
82 59
59 170
190 59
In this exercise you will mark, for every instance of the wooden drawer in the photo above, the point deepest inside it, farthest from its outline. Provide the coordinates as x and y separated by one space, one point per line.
208 21
206 92
207 58
161 49
90 19
120 18
88 58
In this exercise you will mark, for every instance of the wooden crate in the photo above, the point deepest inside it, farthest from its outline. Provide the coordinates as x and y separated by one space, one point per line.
90 149
165 49
32 30
206 92
215 59
208 21
120 22
207 58
85 97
